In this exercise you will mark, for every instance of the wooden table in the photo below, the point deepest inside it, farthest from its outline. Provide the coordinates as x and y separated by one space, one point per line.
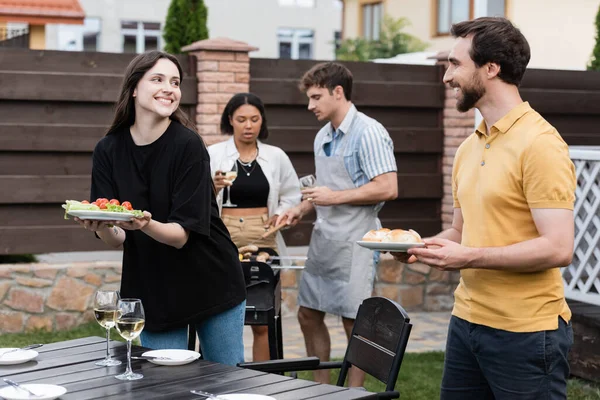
71 364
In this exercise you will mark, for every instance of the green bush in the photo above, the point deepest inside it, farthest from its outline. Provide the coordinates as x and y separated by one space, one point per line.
185 24
17 258
392 41
594 64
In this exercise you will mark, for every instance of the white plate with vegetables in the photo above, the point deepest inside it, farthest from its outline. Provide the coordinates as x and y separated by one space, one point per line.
101 210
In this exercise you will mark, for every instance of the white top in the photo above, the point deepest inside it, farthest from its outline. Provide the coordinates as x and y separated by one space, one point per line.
284 186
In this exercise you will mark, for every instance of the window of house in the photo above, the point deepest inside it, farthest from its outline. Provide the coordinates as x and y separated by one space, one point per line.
297 3
372 14
452 11
140 36
295 44
337 39
91 34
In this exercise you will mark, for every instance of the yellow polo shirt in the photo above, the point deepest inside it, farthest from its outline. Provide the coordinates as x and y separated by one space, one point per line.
523 164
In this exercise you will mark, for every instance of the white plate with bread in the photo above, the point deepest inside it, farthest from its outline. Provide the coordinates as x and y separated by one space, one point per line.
391 240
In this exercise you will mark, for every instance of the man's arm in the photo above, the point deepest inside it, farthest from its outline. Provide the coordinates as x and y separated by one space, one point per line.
454 233
553 248
383 187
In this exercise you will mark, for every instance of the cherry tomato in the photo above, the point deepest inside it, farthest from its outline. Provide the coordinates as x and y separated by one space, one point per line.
94 203
115 202
102 206
85 202
127 205
101 200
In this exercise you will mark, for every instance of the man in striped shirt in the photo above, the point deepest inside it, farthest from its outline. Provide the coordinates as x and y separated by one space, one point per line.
356 173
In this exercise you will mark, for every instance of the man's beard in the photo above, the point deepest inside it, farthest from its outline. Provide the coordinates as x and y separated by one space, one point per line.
470 95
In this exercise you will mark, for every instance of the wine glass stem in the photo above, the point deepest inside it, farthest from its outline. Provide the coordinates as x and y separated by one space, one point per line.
129 370
107 339
228 195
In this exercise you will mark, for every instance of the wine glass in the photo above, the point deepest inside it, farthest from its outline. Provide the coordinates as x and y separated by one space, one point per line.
230 177
307 182
130 322
105 311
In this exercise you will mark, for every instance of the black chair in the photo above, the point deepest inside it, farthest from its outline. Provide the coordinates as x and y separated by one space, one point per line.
376 346
263 302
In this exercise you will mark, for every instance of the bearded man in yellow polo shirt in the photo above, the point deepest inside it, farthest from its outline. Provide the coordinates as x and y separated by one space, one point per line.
513 185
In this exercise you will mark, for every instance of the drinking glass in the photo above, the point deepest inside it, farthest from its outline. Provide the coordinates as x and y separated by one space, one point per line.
307 181
105 311
230 177
130 323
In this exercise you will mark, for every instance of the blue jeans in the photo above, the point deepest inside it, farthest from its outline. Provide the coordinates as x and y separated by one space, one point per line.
484 363
221 337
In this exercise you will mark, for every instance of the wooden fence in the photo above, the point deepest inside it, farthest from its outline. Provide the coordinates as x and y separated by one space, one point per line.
54 107
407 99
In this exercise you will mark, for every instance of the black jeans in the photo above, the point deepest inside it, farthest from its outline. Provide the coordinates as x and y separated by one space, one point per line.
486 363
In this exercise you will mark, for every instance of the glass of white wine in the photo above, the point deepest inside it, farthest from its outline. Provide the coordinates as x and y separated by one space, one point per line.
130 323
105 311
307 182
230 176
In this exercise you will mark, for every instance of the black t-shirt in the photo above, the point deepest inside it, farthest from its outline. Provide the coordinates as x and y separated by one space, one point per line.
251 187
171 179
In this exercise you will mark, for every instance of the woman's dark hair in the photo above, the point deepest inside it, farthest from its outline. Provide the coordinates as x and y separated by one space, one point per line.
124 109
496 40
328 75
236 102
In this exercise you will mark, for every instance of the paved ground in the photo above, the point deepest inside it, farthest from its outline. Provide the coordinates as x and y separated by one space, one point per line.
428 334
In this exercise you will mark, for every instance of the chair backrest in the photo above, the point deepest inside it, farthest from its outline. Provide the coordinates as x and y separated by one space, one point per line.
378 340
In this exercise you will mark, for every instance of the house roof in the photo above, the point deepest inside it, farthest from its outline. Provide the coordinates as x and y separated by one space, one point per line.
40 12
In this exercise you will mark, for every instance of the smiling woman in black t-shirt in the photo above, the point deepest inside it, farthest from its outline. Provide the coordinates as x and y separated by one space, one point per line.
179 258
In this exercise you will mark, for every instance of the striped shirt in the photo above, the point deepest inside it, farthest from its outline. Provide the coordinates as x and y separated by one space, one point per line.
369 150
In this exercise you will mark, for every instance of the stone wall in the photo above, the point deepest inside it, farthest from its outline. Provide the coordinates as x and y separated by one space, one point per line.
61 296
52 296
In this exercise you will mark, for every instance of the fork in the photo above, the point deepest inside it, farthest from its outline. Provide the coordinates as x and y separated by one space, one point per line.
206 394
17 386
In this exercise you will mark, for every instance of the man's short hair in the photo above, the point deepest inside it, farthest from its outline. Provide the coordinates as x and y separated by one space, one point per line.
497 40
328 75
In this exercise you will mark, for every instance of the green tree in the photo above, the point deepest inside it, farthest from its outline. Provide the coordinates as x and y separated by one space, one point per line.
186 24
594 64
392 41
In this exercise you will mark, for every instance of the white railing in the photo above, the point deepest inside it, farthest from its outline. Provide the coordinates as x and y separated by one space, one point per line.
582 277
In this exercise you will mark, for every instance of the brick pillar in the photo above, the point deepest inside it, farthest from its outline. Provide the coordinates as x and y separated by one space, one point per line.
223 70
457 126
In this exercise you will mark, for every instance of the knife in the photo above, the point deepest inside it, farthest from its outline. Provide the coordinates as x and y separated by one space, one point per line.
17 386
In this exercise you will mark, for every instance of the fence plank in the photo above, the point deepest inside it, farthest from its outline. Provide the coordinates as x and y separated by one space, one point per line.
50 137
43 189
406 140
46 239
55 189
75 61
48 86
389 117
390 94
577 102
294 69
561 79
36 163
33 215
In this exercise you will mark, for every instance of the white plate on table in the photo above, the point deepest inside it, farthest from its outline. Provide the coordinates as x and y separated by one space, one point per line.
179 357
16 357
48 392
101 215
245 396
389 246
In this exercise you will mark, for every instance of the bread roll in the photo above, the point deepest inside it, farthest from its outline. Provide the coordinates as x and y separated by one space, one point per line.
376 235
402 236
250 248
